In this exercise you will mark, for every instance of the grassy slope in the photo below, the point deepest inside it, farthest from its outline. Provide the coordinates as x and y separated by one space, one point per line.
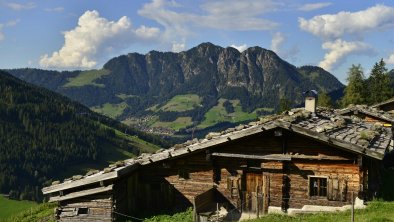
377 211
42 212
186 216
182 103
215 115
179 123
219 114
144 146
87 78
10 207
111 110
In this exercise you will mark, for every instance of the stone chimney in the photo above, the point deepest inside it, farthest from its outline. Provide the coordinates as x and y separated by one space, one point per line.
310 100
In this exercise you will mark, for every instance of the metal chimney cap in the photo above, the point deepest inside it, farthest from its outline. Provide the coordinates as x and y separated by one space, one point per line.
311 93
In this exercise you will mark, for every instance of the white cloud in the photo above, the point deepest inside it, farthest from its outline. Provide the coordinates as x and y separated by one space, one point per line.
8 24
332 26
342 33
178 47
57 9
338 50
237 15
144 32
314 6
277 41
225 15
390 59
13 23
240 48
19 7
93 38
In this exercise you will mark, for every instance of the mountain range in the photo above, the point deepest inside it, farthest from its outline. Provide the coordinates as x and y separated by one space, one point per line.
197 89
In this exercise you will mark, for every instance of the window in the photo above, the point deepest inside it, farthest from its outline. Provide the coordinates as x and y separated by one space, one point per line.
83 210
317 186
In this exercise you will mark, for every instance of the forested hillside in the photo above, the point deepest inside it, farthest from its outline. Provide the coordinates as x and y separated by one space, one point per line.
43 135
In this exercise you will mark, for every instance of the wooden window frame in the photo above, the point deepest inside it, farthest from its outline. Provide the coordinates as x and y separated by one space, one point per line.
309 187
83 211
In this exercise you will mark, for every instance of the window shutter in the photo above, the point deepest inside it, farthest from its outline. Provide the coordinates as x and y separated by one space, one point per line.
343 190
333 192
329 189
336 189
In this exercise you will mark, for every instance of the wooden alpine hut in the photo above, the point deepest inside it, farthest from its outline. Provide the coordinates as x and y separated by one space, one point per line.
300 161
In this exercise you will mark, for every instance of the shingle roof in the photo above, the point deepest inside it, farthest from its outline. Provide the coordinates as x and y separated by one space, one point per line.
326 125
383 103
374 112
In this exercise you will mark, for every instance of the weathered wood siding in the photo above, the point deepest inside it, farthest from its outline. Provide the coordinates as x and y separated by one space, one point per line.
89 208
345 175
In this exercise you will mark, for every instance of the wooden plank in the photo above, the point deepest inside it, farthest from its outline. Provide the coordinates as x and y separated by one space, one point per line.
276 157
81 182
81 193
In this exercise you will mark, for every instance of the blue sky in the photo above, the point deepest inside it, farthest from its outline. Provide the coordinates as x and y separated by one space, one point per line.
76 34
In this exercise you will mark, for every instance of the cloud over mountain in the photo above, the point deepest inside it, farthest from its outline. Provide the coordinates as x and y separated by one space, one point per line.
338 50
93 38
221 15
240 48
277 41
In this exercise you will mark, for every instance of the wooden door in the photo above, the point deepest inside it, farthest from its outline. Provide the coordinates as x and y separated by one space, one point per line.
256 193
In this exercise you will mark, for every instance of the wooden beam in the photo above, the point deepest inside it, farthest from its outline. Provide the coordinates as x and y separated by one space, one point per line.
276 157
279 157
81 182
81 193
319 157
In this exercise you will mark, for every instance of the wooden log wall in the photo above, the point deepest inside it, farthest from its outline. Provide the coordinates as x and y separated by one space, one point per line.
90 208
345 175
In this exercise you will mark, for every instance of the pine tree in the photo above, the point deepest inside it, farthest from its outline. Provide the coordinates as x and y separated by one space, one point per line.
284 105
324 100
379 83
355 90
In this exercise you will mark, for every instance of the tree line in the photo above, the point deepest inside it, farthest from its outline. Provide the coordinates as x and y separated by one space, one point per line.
377 88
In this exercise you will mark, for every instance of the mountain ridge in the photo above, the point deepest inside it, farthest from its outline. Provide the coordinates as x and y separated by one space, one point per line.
257 78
